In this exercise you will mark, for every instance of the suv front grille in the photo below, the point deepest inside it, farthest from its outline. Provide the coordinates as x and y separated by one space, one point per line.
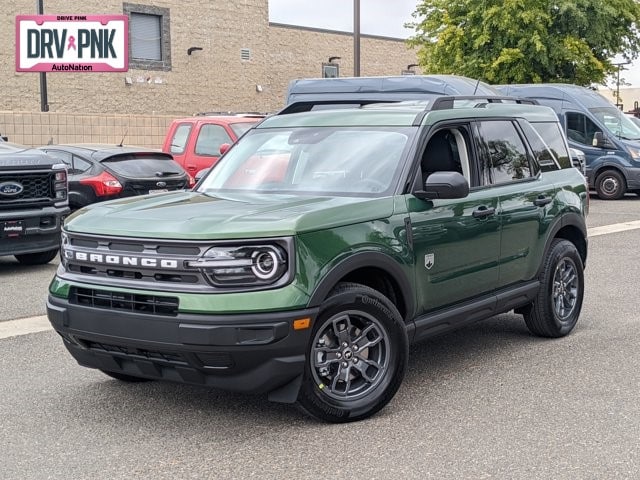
128 302
37 188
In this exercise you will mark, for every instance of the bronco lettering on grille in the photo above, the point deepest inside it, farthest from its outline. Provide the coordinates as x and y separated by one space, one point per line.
122 260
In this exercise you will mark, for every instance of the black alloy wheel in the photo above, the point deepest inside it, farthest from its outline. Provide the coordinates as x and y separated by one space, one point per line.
356 358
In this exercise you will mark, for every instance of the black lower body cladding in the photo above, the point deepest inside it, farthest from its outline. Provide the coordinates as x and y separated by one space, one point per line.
254 353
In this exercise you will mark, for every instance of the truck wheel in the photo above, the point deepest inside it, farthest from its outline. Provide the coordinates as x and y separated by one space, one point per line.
126 378
557 306
611 185
357 356
39 258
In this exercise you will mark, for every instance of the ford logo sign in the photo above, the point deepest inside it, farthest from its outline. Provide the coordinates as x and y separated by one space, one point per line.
161 184
11 188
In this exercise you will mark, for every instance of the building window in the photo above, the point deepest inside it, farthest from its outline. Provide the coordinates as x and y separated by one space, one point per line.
149 37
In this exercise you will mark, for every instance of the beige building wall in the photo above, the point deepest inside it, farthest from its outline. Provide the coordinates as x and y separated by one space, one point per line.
628 96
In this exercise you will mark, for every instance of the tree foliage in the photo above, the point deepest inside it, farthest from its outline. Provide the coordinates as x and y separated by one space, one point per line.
526 41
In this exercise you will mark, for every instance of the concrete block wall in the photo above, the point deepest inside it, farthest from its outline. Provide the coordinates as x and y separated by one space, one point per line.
36 129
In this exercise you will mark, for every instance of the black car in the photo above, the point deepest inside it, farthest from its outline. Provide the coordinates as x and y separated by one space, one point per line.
104 172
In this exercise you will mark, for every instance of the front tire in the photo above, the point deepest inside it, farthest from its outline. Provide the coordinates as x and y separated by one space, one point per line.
39 258
356 358
557 306
611 185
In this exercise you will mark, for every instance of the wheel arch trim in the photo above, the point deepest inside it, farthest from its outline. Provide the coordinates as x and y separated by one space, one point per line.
360 260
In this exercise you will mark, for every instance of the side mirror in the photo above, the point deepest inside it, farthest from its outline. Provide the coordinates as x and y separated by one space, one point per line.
224 147
446 185
201 174
600 140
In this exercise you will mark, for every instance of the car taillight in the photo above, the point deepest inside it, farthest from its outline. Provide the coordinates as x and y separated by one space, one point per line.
104 184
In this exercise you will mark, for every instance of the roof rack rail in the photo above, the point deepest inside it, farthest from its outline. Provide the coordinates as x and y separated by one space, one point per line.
306 106
443 102
447 102
230 114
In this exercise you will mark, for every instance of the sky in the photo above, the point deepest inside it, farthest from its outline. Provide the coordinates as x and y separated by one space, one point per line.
377 17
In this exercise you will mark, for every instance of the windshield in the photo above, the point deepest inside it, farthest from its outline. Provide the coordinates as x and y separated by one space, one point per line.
617 123
337 161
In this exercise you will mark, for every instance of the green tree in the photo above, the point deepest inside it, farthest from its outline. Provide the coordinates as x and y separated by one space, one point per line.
526 41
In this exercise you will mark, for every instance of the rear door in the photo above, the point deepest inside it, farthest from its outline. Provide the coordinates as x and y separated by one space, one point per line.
527 200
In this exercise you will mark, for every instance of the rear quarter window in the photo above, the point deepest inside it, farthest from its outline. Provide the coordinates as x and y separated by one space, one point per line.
549 145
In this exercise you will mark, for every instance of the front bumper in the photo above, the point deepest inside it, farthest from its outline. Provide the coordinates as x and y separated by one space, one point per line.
41 230
253 353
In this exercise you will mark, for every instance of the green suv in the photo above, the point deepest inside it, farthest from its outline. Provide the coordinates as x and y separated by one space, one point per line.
325 242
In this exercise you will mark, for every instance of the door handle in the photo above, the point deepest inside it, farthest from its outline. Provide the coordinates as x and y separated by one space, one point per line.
541 201
482 212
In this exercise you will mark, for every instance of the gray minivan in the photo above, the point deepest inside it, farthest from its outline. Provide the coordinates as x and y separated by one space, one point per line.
609 139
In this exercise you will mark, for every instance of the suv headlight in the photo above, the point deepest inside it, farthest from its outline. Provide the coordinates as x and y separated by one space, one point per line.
243 265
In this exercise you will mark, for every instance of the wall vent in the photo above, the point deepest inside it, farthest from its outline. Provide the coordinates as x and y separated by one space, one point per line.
245 54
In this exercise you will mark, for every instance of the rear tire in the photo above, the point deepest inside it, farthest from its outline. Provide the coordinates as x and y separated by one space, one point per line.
557 306
356 358
38 258
126 378
611 185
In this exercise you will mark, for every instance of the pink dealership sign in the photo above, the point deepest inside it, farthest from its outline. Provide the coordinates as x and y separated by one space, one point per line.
72 43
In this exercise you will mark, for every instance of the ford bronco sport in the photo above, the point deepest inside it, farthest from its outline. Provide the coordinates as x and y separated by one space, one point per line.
324 243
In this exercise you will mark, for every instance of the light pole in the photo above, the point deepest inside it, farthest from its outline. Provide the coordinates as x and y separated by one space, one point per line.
356 38
618 104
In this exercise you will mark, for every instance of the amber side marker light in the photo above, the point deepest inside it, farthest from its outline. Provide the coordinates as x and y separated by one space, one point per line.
301 323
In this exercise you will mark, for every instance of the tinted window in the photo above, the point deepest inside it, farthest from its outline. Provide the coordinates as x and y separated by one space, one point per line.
210 138
143 166
506 157
76 164
180 136
553 139
580 128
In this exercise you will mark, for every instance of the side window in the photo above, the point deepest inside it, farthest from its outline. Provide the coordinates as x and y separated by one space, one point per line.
446 150
59 155
76 164
580 128
506 156
210 138
180 136
550 134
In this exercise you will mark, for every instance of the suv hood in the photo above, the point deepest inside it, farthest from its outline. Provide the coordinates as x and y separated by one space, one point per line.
198 216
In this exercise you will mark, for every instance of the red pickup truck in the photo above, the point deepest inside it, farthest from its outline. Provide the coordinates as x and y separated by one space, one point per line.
195 141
